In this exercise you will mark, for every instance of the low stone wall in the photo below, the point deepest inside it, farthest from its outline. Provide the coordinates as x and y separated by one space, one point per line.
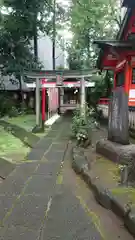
102 195
121 154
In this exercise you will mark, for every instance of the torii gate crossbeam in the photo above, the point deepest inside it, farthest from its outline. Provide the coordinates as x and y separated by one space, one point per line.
53 74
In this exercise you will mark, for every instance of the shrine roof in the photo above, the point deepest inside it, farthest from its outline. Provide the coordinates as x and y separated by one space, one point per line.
124 23
67 74
106 44
128 3
118 44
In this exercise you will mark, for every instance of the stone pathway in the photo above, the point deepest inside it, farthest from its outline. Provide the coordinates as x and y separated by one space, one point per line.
35 201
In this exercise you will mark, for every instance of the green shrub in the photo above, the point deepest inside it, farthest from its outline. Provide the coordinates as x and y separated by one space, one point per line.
13 112
7 106
82 126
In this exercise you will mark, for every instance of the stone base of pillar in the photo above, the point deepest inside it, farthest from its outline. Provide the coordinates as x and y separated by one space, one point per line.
120 154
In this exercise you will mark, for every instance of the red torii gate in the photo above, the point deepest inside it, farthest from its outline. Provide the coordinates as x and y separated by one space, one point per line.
59 77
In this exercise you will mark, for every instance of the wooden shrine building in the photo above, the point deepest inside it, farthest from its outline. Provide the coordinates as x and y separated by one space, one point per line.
119 55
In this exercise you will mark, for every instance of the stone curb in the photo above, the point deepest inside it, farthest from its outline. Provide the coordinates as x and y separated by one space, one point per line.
6 168
102 195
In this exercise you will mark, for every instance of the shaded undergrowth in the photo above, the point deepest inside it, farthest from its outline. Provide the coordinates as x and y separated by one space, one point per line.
26 137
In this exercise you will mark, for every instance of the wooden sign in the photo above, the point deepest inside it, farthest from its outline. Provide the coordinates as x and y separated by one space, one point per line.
111 57
59 81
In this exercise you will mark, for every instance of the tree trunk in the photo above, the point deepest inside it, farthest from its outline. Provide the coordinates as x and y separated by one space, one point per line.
88 47
54 35
19 77
35 38
35 47
82 91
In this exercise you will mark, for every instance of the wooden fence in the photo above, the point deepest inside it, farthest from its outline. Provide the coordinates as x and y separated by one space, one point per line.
104 108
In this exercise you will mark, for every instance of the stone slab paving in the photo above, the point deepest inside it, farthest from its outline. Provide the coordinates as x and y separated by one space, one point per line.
5 206
40 185
67 220
14 183
35 154
52 156
59 146
48 169
28 212
34 205
44 144
18 233
5 168
53 133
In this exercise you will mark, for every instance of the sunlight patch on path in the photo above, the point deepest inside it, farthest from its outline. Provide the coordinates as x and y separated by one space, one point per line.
52 120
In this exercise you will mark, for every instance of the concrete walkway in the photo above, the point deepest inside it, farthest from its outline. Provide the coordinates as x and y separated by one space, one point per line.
35 202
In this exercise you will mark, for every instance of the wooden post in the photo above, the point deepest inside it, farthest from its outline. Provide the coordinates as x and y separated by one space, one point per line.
59 83
61 96
82 86
59 110
43 103
37 102
54 35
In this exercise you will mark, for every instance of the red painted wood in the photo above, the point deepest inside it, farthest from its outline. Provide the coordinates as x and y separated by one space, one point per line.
104 101
108 63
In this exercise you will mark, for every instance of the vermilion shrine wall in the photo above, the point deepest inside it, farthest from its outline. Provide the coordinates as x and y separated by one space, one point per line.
53 99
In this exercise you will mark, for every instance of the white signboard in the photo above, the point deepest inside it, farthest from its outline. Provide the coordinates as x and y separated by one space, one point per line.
132 93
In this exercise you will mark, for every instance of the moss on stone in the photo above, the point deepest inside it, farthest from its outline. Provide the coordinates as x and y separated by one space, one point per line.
127 193
106 170
59 179
108 174
95 219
